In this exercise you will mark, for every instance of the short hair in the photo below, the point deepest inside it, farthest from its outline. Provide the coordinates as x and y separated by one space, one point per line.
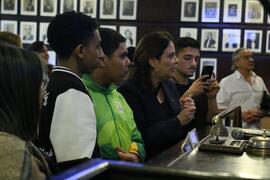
184 42
130 54
110 40
20 80
37 47
235 57
151 45
66 31
10 38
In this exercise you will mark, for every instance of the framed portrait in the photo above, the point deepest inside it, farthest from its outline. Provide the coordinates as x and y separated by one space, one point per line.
28 32
209 39
189 32
231 39
232 11
267 49
254 12
189 10
9 7
29 7
10 26
130 33
43 27
268 18
48 7
210 10
108 9
209 62
113 27
68 5
128 9
89 7
253 40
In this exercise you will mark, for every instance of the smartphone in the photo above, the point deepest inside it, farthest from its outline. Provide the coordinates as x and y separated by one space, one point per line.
207 70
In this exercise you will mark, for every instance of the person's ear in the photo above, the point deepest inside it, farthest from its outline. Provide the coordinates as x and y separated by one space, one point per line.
79 51
153 63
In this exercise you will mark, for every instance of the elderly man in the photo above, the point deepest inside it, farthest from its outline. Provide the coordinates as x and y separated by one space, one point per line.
244 88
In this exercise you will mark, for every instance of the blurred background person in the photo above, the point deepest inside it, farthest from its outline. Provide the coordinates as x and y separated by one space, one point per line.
21 93
153 97
8 37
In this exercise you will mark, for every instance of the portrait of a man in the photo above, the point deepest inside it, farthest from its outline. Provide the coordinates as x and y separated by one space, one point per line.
9 4
190 9
28 33
254 11
88 7
128 7
209 41
253 40
48 6
210 10
232 10
29 5
108 7
128 36
68 5
232 41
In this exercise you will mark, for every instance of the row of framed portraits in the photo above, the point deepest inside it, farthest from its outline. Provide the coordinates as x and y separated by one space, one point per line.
107 8
30 32
232 11
231 39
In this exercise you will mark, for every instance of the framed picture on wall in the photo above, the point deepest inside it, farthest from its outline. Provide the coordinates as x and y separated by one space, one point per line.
209 62
232 11
267 49
89 7
130 33
254 12
9 7
43 27
107 9
29 7
68 5
10 26
210 11
231 39
128 9
209 39
253 40
189 32
48 7
28 32
189 10
113 27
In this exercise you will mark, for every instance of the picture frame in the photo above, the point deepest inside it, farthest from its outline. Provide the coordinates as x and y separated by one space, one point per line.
9 7
209 62
254 12
108 9
68 5
189 10
267 46
253 40
231 39
209 39
28 32
128 9
232 11
89 7
9 26
43 27
130 33
29 7
189 32
48 8
113 27
210 11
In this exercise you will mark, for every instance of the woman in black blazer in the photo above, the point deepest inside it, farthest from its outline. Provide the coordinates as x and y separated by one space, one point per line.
153 97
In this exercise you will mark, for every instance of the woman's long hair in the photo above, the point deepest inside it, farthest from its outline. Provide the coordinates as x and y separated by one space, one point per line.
20 83
151 45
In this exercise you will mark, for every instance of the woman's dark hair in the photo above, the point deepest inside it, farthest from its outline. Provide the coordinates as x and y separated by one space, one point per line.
37 47
110 40
66 31
20 82
151 45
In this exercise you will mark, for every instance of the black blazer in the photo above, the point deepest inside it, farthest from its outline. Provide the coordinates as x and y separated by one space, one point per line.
159 127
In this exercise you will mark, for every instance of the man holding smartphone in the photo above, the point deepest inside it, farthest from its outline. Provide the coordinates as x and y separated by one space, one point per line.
203 90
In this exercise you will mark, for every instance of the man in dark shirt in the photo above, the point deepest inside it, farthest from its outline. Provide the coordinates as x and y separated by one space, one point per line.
9 5
202 90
